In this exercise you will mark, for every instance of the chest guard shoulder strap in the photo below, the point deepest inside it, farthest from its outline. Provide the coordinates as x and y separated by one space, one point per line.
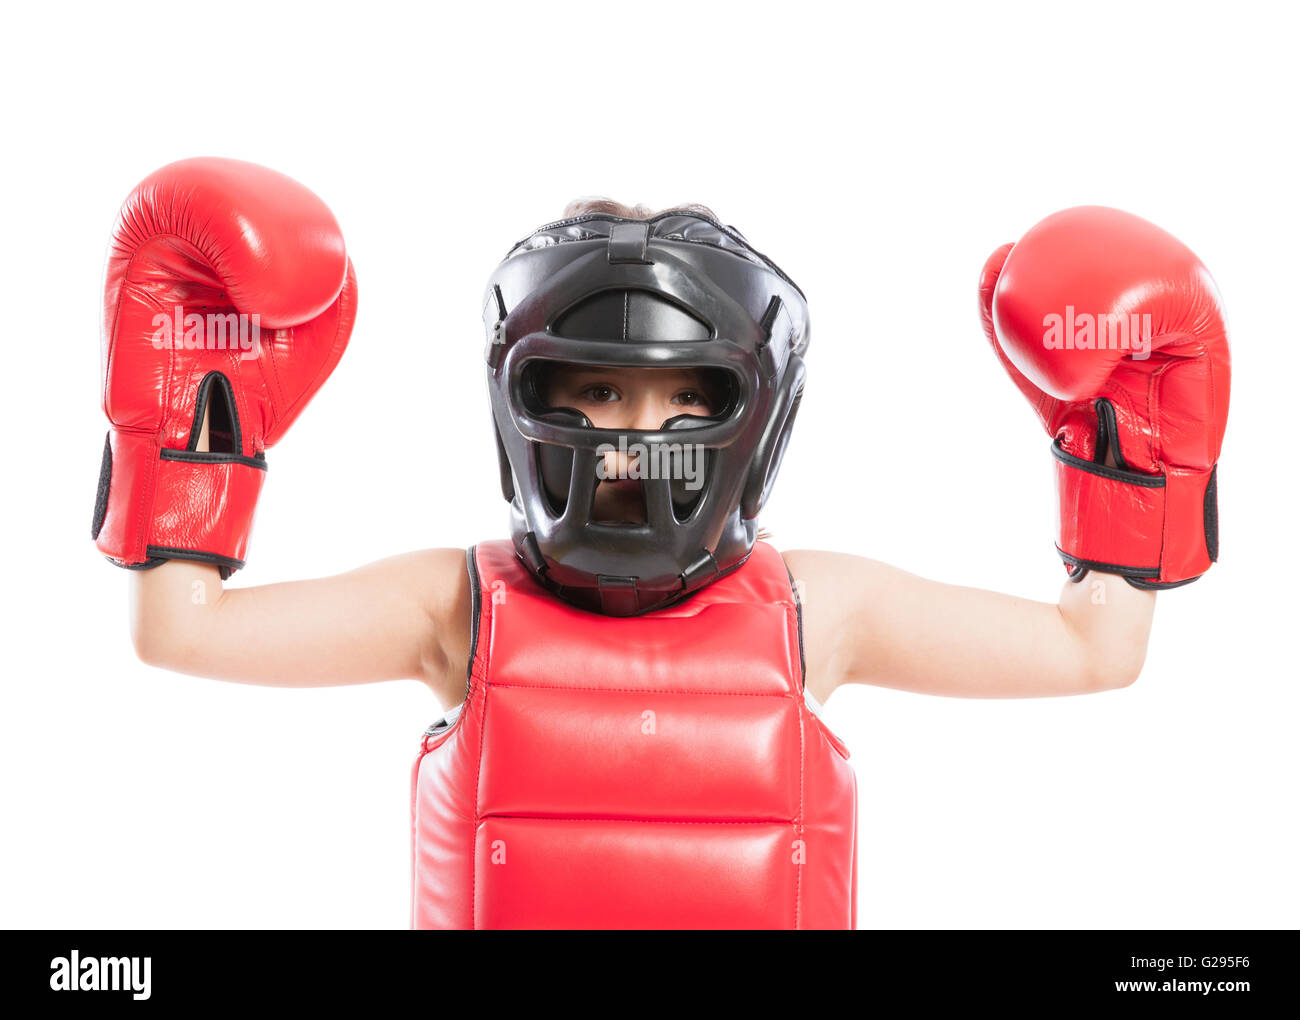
658 771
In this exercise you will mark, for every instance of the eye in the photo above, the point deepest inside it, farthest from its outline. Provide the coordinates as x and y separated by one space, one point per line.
691 398
600 393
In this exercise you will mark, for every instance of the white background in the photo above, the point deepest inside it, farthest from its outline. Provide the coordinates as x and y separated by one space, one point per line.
878 154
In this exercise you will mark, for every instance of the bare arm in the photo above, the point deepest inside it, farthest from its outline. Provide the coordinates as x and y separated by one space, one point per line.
403 617
866 622
406 617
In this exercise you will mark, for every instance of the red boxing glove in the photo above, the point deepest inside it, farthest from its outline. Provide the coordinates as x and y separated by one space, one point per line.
1115 332
228 290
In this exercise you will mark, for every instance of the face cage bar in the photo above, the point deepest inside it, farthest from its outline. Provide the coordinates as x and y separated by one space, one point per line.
674 479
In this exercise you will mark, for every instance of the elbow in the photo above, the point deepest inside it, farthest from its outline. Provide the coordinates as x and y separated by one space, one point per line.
1119 679
157 645
1118 669
150 646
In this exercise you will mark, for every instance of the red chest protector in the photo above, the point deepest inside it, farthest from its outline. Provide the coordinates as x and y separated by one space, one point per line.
658 771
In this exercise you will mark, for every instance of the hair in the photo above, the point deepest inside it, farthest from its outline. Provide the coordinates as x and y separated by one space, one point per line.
600 204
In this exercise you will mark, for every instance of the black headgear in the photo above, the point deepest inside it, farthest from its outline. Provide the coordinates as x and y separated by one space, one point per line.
677 290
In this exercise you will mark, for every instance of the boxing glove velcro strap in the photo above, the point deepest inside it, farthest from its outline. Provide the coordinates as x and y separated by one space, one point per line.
166 504
1155 530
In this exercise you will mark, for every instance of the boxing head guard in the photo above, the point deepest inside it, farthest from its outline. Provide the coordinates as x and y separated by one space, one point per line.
678 290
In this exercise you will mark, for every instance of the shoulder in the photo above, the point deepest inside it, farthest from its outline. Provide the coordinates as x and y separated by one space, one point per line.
440 583
836 594
829 568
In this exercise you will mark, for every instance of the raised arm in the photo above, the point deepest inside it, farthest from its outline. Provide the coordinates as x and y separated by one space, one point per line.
870 623
229 299
406 617
1114 331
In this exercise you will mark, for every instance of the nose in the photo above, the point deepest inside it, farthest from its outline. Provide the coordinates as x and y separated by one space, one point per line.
644 415
648 413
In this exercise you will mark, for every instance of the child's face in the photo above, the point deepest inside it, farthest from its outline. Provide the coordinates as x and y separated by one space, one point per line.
627 399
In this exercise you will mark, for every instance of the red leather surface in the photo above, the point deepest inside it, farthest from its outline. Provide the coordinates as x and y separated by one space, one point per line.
1114 521
164 503
212 237
1170 407
660 771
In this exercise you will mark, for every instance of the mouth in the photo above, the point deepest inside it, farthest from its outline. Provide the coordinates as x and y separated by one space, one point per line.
619 501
